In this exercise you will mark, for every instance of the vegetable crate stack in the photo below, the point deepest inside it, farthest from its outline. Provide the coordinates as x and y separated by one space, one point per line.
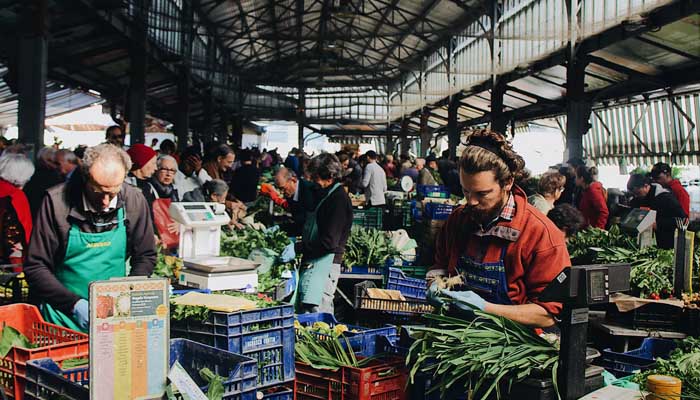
25 337
219 374
336 361
264 334
367 251
368 217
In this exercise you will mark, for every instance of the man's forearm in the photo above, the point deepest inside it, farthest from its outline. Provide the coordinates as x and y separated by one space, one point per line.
526 314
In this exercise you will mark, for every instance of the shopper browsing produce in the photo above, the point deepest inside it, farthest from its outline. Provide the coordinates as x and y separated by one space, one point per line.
504 250
85 231
326 232
654 196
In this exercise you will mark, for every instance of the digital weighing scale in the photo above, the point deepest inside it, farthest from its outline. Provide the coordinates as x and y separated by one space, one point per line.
640 224
200 243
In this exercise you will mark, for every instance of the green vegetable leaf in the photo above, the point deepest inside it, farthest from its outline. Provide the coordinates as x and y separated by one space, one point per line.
11 337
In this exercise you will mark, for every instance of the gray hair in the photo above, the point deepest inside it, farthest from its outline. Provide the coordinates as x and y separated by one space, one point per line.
103 152
16 168
287 173
67 155
326 166
214 186
46 155
420 162
164 157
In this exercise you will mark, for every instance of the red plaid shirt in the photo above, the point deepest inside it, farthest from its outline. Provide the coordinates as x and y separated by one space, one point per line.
507 214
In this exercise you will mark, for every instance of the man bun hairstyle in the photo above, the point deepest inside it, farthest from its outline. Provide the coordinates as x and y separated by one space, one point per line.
588 174
490 151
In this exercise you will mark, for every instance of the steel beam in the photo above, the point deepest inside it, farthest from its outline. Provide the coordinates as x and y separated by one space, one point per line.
136 107
425 134
453 132
499 122
301 114
578 109
182 117
31 72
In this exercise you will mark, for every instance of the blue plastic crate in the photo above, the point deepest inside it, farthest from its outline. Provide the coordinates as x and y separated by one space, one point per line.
643 358
402 261
278 393
363 342
45 378
239 322
410 287
434 191
362 269
273 349
437 211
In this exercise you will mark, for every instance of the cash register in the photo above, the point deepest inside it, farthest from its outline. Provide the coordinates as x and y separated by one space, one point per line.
200 243
639 223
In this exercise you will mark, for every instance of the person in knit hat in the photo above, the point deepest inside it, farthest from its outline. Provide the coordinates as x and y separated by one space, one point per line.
144 160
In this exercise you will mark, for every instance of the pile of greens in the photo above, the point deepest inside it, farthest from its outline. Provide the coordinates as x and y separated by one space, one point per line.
368 246
652 268
180 312
327 352
683 363
487 354
268 282
11 337
167 266
240 243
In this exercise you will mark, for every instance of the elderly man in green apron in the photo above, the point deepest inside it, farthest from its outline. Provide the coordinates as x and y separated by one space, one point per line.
88 229
326 231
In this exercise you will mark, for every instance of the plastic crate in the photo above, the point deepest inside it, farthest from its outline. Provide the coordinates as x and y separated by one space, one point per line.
402 261
410 287
53 341
437 211
278 393
434 191
46 379
409 307
368 217
400 215
385 380
362 269
363 342
643 358
651 315
265 334
415 271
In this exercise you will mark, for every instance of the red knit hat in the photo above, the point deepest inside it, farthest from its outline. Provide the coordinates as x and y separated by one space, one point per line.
140 155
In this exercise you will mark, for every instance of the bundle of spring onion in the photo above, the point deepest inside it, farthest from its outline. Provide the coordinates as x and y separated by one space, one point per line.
481 356
326 353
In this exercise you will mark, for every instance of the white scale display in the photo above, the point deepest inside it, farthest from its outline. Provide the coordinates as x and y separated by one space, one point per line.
200 243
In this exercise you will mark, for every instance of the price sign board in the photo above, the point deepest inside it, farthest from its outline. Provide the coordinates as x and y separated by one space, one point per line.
129 343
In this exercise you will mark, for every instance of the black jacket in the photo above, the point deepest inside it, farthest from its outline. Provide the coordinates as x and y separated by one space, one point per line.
43 179
667 210
244 183
307 201
334 220
63 206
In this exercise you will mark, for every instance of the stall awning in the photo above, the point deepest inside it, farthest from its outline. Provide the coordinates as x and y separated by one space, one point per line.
664 129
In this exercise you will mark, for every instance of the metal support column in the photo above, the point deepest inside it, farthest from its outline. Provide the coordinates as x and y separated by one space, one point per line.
31 73
301 112
181 124
237 134
208 116
136 109
390 144
453 133
578 110
405 142
498 122
425 134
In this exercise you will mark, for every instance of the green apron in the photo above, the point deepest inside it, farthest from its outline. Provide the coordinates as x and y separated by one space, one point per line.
312 279
89 257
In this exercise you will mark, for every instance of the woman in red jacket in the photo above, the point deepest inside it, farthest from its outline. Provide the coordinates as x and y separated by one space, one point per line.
593 204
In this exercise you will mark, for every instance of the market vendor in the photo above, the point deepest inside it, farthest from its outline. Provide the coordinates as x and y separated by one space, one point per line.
86 230
652 195
326 230
301 199
505 250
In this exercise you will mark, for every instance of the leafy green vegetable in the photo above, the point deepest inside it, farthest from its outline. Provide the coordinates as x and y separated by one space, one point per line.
683 363
167 266
11 337
368 246
486 354
75 362
240 243
180 312
327 352
216 384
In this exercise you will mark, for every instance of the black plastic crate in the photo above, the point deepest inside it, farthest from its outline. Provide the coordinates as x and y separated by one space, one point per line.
652 315
368 217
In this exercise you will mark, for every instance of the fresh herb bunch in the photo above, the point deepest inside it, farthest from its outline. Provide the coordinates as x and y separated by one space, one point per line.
240 243
586 243
327 353
269 281
368 246
180 312
683 363
167 266
485 355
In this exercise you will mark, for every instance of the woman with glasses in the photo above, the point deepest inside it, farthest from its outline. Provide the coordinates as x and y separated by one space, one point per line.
165 193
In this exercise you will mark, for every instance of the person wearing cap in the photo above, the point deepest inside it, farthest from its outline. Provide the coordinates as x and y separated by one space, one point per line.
144 163
648 194
503 248
374 181
662 174
88 229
